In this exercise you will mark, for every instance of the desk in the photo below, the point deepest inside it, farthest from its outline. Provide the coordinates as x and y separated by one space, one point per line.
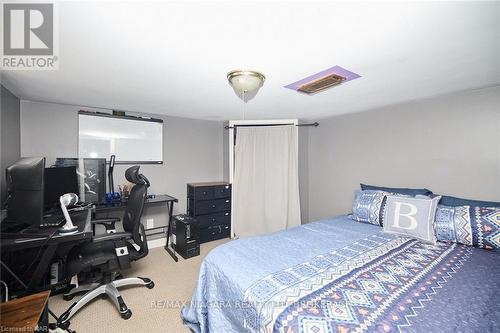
23 314
48 238
158 199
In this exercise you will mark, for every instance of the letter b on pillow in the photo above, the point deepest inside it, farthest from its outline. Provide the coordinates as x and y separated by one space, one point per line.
405 211
410 217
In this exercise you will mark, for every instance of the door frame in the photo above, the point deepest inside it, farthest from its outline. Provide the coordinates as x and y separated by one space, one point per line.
233 123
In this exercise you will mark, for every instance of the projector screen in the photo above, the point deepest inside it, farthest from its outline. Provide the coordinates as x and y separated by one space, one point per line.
131 139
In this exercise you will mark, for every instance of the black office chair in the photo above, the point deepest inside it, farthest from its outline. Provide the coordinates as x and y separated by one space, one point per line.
109 254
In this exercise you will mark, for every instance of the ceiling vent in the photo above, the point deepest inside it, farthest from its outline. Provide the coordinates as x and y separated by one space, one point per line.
322 80
321 84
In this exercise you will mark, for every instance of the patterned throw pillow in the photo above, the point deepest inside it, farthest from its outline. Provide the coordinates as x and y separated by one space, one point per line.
410 217
366 206
453 224
486 228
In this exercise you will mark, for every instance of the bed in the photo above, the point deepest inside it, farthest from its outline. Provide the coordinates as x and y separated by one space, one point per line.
338 275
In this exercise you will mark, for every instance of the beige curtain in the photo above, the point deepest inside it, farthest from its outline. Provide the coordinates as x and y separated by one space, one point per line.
266 180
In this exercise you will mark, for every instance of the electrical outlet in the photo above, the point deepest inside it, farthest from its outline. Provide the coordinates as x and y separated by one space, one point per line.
150 223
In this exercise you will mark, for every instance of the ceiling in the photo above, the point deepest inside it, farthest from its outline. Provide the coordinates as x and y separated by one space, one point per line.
172 58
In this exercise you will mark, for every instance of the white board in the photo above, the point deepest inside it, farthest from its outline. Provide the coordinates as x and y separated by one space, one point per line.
130 140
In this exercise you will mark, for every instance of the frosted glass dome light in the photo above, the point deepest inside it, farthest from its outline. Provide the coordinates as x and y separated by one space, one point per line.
245 82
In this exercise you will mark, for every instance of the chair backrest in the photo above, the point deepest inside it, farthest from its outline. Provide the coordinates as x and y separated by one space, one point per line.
135 205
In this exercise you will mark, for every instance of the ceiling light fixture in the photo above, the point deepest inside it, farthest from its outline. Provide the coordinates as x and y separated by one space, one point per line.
246 84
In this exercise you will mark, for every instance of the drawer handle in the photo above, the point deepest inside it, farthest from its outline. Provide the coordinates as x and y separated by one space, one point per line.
204 193
227 200
227 214
213 206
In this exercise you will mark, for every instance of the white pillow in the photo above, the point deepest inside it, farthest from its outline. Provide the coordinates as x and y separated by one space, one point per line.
411 217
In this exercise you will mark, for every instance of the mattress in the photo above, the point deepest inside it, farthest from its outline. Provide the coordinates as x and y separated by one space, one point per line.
338 275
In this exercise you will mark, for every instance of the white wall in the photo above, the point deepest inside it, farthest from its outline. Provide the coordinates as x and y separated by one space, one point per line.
192 149
449 144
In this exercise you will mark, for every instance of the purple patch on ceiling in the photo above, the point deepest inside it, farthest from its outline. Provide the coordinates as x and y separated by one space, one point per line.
349 76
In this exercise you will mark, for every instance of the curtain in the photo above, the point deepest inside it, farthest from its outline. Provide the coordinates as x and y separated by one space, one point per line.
266 180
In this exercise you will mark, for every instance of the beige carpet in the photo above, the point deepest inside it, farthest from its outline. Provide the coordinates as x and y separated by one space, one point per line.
174 283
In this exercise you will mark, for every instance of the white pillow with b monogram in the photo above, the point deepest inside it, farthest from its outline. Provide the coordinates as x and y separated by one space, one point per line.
411 217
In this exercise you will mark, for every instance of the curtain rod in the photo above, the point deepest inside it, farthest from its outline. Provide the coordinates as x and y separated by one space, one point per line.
315 124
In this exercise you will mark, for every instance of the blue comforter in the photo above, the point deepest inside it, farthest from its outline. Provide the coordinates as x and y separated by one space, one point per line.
338 275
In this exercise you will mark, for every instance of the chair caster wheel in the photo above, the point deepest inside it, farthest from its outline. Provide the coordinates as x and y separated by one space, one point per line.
150 285
68 297
127 314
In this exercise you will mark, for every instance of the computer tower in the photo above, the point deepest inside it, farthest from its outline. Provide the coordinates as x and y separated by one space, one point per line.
186 236
91 174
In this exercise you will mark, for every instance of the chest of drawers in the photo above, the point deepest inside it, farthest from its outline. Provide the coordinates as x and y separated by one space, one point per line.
210 204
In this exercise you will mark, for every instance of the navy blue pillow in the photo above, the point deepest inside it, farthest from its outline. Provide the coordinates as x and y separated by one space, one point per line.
454 202
406 191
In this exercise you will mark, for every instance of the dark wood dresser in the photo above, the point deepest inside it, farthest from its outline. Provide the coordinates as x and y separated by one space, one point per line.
210 204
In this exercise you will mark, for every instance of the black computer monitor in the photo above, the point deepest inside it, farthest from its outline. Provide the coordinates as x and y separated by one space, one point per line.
25 188
59 181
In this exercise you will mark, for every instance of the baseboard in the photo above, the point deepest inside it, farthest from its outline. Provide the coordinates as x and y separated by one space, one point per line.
159 242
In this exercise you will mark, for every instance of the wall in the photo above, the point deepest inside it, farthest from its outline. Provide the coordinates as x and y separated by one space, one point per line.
10 137
192 149
449 144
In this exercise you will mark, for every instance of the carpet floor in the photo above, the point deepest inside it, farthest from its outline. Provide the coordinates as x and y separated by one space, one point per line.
153 310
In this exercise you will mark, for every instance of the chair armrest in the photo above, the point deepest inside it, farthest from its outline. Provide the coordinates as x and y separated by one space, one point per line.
105 221
113 236
109 224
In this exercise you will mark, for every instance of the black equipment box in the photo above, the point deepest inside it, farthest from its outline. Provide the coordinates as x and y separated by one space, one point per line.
186 236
